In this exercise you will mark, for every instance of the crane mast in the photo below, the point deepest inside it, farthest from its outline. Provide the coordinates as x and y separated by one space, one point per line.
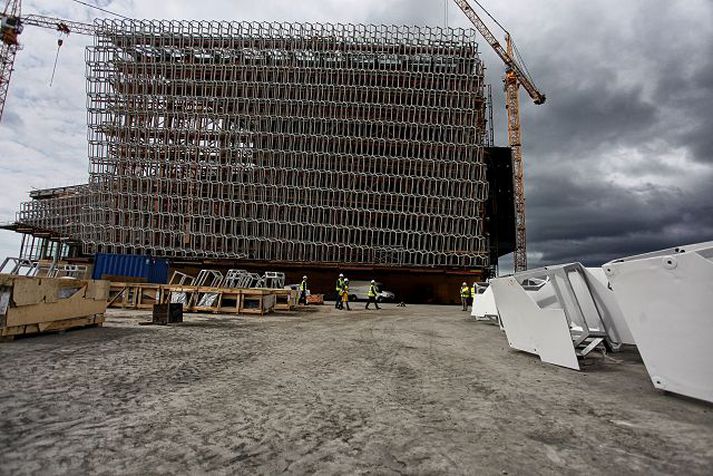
512 105
8 47
515 76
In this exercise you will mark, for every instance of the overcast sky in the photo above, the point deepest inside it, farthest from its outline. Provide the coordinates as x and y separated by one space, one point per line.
619 160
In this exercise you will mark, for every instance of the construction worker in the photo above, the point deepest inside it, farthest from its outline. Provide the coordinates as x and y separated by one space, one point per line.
338 288
345 294
303 291
464 295
372 295
473 293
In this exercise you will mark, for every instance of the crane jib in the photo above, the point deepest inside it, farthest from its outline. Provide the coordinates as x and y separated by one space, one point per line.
522 77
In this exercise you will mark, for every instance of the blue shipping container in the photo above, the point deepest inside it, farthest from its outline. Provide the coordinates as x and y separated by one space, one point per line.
153 270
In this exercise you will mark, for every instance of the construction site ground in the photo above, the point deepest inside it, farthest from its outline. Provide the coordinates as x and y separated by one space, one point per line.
420 389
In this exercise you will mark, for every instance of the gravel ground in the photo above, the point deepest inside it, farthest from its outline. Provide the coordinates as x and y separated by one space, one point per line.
417 390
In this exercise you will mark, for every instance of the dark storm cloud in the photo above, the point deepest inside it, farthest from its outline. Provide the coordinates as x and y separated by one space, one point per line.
631 94
619 159
572 218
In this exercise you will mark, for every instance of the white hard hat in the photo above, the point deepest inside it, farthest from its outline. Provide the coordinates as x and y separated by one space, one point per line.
372 281
346 280
341 275
465 284
304 277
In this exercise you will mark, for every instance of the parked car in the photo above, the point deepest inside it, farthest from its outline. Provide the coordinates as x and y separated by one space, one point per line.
359 290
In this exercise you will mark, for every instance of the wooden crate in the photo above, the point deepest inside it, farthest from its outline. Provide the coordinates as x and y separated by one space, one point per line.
33 305
286 299
257 301
194 298
134 295
167 314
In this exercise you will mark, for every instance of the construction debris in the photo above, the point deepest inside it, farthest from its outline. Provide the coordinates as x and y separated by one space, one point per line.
236 292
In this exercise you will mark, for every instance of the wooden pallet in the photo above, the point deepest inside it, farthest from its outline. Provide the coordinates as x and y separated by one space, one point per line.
9 333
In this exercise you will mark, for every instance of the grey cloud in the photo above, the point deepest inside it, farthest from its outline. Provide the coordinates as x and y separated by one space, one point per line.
631 81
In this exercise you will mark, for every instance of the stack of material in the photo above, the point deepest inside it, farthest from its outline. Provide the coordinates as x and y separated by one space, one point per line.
32 305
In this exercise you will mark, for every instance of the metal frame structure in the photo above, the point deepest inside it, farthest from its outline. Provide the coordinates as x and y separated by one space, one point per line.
284 143
560 313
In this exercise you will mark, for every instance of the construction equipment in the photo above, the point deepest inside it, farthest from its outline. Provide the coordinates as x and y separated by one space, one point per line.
516 75
12 25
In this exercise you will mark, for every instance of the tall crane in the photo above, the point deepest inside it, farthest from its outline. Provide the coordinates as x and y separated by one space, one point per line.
516 75
11 26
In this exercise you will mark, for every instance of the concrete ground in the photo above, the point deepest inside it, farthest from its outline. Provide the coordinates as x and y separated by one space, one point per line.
421 389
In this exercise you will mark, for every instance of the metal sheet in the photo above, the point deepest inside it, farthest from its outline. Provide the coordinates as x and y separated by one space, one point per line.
484 307
600 283
529 328
667 301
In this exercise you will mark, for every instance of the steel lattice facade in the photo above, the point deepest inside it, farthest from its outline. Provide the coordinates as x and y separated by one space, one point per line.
286 143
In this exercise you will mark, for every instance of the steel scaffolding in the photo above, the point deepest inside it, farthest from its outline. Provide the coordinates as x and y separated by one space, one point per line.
57 210
286 142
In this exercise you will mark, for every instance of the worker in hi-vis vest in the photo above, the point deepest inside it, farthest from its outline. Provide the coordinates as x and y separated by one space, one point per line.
464 295
345 294
303 291
473 293
339 287
372 295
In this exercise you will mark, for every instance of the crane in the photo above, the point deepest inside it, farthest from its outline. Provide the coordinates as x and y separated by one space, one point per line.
516 75
12 25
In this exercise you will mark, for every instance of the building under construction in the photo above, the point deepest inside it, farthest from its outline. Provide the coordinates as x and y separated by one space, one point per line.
299 147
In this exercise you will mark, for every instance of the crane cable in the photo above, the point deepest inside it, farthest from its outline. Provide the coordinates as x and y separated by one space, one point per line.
54 68
97 7
521 61
491 17
518 57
